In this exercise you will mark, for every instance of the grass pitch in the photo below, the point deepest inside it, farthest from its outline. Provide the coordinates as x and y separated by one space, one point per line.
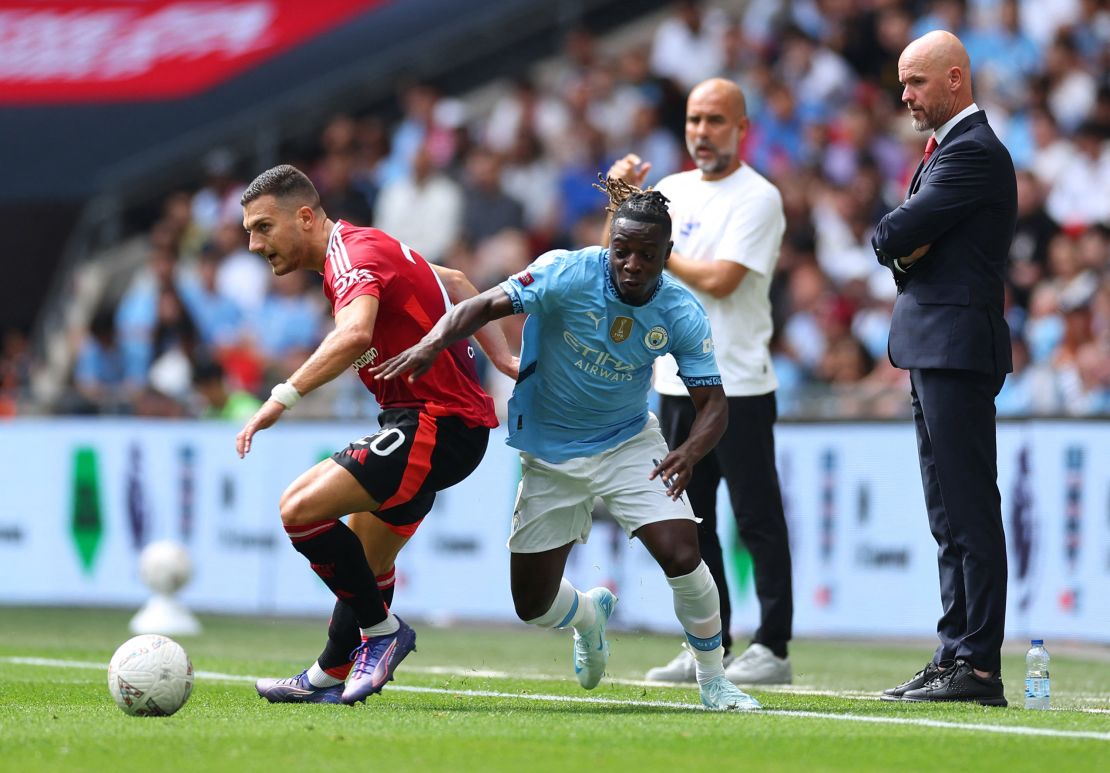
505 698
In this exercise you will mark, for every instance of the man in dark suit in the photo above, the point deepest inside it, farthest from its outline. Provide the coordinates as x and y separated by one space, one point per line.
947 246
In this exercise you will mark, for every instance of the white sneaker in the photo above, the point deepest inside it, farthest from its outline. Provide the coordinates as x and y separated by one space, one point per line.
683 668
719 694
758 665
591 649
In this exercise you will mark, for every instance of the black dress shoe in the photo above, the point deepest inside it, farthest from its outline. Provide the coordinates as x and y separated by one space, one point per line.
961 684
920 679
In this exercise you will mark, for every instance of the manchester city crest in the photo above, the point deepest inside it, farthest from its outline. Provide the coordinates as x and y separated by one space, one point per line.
656 338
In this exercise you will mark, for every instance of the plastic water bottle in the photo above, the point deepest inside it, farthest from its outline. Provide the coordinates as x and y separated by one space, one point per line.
1037 691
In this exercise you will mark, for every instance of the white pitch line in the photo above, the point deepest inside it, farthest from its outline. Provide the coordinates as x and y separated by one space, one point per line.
478 673
581 699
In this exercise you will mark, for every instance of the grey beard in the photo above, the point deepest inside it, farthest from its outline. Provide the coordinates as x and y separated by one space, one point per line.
718 164
921 126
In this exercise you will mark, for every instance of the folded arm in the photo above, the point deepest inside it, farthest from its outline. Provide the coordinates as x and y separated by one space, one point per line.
956 183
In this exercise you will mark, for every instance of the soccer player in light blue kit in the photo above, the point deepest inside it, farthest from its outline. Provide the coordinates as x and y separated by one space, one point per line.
598 319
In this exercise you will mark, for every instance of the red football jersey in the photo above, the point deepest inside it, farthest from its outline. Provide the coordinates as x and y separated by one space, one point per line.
366 261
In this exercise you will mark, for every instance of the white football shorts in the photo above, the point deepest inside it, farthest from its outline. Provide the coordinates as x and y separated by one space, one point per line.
554 501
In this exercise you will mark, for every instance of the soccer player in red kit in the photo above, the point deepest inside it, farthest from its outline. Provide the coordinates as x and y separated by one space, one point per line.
384 297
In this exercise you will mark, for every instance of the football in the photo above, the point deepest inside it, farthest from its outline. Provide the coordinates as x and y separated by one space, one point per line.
150 676
165 566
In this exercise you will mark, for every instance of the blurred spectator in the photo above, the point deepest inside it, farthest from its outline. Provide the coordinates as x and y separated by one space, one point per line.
844 229
174 341
818 77
1072 90
577 196
1032 234
335 174
138 310
1002 55
1044 327
776 140
288 325
220 195
487 209
845 361
689 45
370 153
411 134
220 400
15 371
1016 396
524 110
241 275
532 178
649 140
99 376
1080 194
1085 382
1042 18
423 209
803 336
942 15
219 318
1074 283
1051 151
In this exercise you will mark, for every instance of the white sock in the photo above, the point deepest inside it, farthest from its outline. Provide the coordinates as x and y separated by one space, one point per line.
698 608
387 626
570 608
318 677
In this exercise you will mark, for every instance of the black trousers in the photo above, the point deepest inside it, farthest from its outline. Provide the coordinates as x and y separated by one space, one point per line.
745 458
953 413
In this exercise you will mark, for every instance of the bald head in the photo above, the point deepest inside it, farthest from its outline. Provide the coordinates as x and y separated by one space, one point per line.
716 121
935 73
724 91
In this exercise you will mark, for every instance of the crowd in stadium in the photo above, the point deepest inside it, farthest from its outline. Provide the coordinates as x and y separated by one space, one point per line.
204 328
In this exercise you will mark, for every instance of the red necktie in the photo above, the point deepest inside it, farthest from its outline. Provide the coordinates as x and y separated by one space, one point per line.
930 146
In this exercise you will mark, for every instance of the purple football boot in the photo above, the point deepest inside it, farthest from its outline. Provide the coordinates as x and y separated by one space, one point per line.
375 661
297 689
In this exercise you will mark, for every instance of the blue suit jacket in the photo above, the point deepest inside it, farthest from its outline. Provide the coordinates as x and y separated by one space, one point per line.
948 313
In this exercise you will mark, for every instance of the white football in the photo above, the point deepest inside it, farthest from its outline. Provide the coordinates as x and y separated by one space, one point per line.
165 566
150 676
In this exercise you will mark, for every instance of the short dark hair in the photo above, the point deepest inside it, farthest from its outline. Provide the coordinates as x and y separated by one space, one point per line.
646 207
283 182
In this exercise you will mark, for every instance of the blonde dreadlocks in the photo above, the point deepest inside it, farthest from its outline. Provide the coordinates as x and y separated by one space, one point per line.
628 201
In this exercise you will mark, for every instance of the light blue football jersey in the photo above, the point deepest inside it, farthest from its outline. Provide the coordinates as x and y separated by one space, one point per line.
586 356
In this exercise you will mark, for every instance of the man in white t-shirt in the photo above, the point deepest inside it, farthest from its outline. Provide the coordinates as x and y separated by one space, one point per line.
728 227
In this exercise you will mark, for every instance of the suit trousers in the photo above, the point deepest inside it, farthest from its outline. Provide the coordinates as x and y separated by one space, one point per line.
953 412
745 458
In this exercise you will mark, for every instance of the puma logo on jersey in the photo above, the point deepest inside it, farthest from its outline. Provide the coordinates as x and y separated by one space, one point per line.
594 318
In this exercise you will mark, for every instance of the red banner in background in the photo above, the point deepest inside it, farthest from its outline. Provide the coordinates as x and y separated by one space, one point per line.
57 52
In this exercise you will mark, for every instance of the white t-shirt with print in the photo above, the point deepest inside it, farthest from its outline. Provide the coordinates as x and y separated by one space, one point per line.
739 218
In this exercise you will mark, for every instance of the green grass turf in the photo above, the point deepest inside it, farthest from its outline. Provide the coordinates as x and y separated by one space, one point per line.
62 718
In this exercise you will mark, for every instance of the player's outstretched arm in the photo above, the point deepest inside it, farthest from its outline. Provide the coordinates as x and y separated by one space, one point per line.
709 425
354 330
490 337
462 321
